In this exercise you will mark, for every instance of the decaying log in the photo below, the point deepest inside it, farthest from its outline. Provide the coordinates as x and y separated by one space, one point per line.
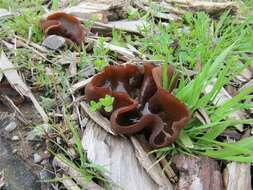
117 155
198 173
237 176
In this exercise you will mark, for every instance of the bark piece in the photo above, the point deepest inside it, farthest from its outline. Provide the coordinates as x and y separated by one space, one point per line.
117 156
125 25
237 176
198 173
212 8
152 168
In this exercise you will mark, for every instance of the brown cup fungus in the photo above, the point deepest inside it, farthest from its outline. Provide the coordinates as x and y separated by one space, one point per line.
65 25
140 102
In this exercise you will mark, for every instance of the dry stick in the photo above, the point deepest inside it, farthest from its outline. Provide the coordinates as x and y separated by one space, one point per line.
79 85
38 47
9 103
69 183
17 83
76 175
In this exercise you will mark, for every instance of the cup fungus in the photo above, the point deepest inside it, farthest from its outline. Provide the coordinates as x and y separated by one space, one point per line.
140 102
64 25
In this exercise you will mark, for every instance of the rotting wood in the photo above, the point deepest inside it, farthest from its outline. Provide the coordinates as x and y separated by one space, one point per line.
147 162
118 157
237 176
59 161
17 83
198 173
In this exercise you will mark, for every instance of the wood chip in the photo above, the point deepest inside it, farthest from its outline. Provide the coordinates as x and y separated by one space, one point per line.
117 155
237 176
198 173
124 25
212 8
148 163
17 83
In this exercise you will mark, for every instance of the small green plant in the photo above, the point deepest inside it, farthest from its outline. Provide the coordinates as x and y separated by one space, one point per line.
106 103
133 13
100 54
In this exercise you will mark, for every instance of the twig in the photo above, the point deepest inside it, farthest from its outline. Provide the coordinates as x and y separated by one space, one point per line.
17 83
58 161
9 103
69 183
79 85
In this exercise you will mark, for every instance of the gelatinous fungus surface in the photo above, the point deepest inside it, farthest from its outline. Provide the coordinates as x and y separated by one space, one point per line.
64 25
7 90
140 103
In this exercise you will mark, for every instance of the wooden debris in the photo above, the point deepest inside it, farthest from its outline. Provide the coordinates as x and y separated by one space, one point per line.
117 155
212 8
79 85
89 10
69 183
237 176
5 13
73 66
148 163
124 25
17 83
202 116
125 52
59 161
9 103
198 173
